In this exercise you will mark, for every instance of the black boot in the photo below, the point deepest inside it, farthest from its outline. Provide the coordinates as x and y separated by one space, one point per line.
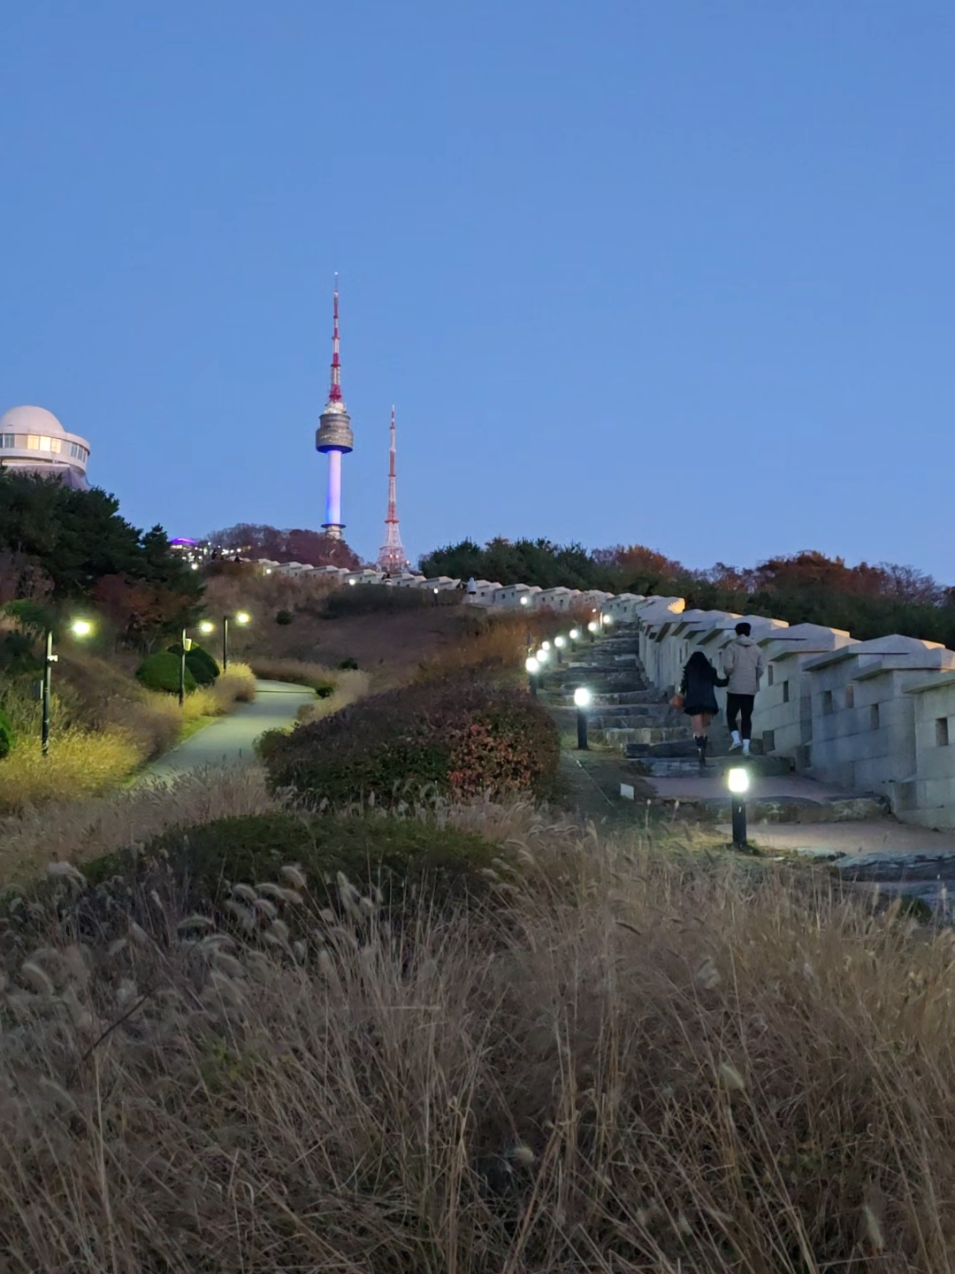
701 750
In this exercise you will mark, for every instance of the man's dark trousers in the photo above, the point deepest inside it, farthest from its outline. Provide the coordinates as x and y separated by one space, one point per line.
740 706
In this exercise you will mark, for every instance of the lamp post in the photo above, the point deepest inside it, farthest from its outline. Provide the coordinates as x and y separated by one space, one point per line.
559 644
79 628
533 668
737 780
582 699
241 617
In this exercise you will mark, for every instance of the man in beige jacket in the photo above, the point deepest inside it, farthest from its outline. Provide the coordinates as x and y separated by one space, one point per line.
743 664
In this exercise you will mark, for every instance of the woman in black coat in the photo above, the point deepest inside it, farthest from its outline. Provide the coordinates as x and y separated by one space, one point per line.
699 701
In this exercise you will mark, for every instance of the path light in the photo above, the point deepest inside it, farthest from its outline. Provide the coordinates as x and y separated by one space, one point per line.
79 628
606 620
207 627
523 601
560 643
545 645
582 701
737 781
533 668
574 638
592 628
542 656
241 617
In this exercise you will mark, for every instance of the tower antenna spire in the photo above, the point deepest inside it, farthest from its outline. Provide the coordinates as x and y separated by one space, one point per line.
391 556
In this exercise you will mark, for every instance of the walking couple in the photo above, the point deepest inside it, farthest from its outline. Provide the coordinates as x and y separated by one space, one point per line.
742 669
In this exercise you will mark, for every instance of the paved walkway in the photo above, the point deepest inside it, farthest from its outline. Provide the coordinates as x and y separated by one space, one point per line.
231 738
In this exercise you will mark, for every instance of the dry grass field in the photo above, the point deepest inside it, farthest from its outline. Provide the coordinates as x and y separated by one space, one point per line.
630 1057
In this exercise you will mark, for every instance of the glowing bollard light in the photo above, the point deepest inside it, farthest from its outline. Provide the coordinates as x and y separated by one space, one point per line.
606 620
592 628
737 780
533 668
559 644
582 701
574 638
545 645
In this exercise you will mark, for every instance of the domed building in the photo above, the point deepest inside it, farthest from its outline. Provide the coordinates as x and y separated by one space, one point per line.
33 440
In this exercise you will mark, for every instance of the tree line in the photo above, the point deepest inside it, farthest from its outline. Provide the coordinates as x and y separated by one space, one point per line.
869 600
63 549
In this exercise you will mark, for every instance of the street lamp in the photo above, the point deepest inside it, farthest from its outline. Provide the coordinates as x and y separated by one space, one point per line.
582 701
533 668
241 617
207 627
79 628
560 643
737 780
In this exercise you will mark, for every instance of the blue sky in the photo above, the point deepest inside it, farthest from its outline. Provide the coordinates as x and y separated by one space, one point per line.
671 273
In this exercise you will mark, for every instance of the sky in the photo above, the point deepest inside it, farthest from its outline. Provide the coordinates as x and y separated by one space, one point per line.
678 274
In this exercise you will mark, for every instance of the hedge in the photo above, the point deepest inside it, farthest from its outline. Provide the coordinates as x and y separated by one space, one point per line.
194 869
459 738
161 672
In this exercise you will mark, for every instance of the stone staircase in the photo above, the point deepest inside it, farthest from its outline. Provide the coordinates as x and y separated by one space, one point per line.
629 716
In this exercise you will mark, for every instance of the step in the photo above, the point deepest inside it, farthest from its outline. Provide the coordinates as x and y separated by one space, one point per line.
668 767
642 735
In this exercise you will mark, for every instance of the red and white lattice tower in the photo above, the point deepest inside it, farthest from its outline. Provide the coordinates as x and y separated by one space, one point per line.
391 556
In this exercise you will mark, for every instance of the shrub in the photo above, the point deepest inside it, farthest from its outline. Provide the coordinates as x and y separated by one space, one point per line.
196 866
161 672
349 664
7 737
460 738
200 663
79 763
283 617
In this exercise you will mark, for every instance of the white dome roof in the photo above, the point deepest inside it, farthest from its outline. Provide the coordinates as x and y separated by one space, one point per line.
32 420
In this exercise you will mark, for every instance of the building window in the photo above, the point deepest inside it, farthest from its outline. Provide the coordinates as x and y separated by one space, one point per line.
769 675
941 732
785 692
874 717
826 702
7 440
850 696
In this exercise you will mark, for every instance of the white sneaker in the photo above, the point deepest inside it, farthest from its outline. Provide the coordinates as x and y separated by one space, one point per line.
737 741
746 747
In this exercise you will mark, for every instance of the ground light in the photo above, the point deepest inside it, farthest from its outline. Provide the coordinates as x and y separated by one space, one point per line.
80 628
241 617
582 701
559 644
737 781
533 668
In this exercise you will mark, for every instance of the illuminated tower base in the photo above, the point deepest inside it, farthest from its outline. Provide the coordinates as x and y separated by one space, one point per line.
333 525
